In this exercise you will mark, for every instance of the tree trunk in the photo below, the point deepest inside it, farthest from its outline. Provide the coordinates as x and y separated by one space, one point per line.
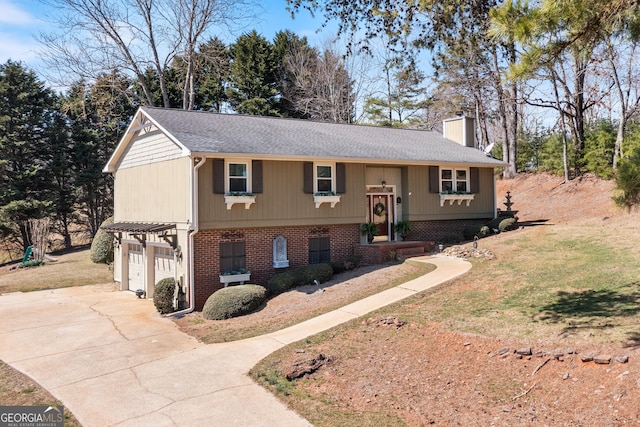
509 171
563 126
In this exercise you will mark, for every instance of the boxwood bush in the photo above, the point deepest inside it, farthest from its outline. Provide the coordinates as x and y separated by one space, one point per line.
234 301
507 225
300 276
163 295
102 245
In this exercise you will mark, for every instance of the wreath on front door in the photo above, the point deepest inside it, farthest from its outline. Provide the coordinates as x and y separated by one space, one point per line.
378 209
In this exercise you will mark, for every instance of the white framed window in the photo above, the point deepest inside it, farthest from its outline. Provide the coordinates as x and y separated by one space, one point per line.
238 177
324 178
454 181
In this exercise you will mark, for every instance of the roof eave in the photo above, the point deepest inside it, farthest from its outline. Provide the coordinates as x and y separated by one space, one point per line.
404 162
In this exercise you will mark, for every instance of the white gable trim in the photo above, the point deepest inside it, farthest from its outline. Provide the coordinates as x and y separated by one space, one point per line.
141 122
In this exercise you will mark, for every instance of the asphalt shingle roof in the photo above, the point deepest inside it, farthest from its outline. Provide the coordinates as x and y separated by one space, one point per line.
211 133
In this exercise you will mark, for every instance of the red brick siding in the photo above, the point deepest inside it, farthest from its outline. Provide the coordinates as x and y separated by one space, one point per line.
437 230
259 252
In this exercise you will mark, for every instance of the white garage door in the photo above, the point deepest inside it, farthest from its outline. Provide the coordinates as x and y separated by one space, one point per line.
136 267
163 263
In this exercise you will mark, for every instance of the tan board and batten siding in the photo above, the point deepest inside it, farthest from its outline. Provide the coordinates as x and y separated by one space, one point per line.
282 202
422 205
153 173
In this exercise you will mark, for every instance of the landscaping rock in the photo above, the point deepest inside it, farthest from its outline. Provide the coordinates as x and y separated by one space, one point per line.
306 367
391 321
525 351
622 359
603 359
469 252
586 357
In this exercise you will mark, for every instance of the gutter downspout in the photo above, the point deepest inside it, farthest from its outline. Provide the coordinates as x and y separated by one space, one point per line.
193 230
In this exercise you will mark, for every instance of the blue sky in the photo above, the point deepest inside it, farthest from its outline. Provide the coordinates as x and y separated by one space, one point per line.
22 20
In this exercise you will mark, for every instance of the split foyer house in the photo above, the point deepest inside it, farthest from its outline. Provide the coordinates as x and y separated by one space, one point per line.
200 195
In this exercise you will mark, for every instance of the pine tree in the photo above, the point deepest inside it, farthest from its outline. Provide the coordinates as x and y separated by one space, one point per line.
25 116
253 83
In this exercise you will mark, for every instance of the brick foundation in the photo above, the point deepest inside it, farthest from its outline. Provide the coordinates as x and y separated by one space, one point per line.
378 253
259 252
345 241
439 230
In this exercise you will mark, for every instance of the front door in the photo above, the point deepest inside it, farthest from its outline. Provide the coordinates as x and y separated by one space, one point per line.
381 213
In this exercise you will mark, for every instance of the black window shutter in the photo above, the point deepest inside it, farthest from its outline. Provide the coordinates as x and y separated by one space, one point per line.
218 176
474 180
308 177
256 176
434 179
341 184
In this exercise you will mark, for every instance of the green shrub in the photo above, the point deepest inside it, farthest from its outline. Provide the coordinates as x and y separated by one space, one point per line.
338 267
494 224
102 245
470 232
507 224
282 282
484 231
300 276
163 295
352 262
319 272
234 301
627 179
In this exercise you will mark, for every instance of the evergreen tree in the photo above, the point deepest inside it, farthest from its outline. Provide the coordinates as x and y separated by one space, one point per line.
25 116
60 186
212 72
253 82
98 115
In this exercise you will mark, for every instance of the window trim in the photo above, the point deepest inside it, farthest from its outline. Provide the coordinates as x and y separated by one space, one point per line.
330 197
454 180
227 175
332 166
244 197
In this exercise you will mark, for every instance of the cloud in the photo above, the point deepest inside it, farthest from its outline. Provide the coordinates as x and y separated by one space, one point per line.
13 15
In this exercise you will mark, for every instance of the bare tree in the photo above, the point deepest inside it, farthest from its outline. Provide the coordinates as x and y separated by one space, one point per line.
320 85
132 36
623 68
192 19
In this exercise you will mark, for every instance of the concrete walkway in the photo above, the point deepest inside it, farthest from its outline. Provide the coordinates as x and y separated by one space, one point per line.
113 361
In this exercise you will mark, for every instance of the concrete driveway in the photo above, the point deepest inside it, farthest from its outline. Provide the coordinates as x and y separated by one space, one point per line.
113 361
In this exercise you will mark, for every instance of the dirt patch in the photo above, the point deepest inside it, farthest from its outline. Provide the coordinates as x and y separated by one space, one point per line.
544 197
426 375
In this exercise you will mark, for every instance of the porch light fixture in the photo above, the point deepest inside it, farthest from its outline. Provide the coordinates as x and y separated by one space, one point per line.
384 184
